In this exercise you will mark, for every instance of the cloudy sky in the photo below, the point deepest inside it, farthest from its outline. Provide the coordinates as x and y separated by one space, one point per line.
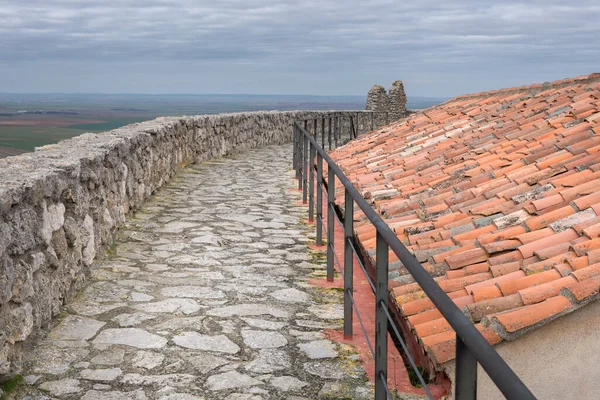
438 48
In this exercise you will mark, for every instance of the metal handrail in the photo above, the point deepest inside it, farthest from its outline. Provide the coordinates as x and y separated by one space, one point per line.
471 346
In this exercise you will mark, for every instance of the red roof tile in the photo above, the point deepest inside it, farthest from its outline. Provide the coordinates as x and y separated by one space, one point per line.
498 193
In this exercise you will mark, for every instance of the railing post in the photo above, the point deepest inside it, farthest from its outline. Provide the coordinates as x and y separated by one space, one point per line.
311 184
381 322
305 170
315 130
348 260
357 123
330 221
294 146
300 157
329 134
337 131
466 372
323 133
387 117
319 199
296 153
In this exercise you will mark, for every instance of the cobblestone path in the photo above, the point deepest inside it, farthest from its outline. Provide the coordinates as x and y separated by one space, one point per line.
204 296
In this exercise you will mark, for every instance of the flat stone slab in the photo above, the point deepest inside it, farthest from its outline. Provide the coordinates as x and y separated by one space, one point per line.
181 323
180 396
140 297
194 292
101 374
248 310
319 349
269 360
218 343
186 306
147 359
263 324
231 380
133 337
90 309
206 362
111 357
77 328
62 387
104 395
287 383
126 320
55 360
263 339
291 295
175 380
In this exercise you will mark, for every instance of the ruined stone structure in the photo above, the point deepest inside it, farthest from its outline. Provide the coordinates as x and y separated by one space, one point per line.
62 205
377 99
397 101
393 102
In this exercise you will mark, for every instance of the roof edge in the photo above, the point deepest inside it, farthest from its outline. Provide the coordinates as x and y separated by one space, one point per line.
534 88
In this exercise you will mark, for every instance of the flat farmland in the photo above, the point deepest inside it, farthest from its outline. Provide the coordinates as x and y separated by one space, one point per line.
31 120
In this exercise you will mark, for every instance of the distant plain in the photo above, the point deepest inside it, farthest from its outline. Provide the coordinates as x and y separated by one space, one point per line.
31 120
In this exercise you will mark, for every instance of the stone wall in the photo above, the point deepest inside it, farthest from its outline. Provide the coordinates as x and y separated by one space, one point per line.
61 206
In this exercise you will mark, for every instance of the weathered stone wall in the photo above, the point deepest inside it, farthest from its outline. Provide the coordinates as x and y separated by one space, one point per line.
62 205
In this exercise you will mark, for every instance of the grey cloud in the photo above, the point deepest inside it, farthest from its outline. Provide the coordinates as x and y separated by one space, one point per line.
326 46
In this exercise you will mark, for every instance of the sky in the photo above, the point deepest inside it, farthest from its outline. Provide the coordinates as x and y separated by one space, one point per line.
322 47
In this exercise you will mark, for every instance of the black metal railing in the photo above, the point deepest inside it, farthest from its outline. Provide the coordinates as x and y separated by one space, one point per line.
471 346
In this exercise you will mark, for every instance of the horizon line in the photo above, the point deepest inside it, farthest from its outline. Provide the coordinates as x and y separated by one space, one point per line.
205 94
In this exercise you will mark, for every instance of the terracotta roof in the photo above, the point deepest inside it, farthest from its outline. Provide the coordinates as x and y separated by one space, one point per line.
498 195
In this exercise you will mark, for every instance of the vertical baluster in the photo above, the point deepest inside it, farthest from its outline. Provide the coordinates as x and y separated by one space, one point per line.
300 157
323 133
319 199
311 184
294 146
305 170
381 323
337 131
348 259
330 221
466 372
329 134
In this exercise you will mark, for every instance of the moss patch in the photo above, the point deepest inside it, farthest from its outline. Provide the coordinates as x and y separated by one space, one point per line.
11 385
414 378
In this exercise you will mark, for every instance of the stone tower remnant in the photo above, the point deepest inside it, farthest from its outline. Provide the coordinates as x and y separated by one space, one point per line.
377 99
392 101
397 101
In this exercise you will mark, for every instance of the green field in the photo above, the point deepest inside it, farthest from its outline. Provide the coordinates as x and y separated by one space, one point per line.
28 137
111 123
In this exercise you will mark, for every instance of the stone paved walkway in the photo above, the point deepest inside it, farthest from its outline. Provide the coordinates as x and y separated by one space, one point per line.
204 296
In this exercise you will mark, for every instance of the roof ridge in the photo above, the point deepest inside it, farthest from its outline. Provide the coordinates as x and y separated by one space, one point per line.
535 87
